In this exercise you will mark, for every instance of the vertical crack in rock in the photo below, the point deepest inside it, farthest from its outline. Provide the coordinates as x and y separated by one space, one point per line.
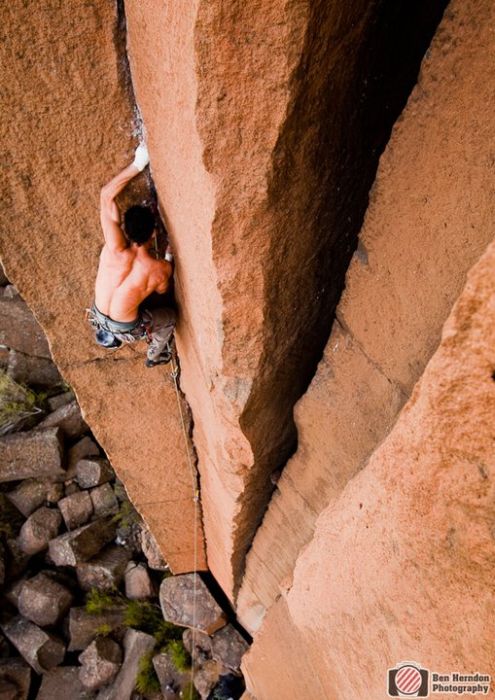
356 70
125 74
120 40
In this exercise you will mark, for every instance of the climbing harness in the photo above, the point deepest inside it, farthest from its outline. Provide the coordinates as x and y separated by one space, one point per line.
111 334
195 491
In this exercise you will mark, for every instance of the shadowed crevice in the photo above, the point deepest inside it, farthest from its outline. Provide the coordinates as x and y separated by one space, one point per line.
354 78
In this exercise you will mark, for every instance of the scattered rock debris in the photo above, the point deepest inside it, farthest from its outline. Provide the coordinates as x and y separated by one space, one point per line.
80 573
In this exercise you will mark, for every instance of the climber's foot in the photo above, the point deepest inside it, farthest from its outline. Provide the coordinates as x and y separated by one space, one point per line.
162 359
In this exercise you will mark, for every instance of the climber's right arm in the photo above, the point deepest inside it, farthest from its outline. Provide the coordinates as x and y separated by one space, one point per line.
109 212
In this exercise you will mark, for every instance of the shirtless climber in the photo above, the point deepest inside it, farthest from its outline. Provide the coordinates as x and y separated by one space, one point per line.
128 274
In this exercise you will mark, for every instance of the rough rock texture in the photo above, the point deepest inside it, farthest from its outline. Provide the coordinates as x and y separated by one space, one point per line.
43 600
33 454
19 328
401 566
93 472
105 571
39 530
40 649
16 674
247 175
104 500
138 584
63 683
431 215
83 626
37 371
76 509
186 601
68 90
69 418
169 676
136 645
71 548
100 663
29 495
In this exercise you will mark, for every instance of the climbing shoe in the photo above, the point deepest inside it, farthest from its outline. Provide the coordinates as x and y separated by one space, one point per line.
162 359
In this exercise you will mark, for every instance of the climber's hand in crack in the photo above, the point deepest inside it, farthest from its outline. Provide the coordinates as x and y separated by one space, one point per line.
141 157
128 273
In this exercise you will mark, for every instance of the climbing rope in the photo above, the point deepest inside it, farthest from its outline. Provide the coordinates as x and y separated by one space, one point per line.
195 492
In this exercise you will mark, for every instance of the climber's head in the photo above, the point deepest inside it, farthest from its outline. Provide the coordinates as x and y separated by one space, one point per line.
139 224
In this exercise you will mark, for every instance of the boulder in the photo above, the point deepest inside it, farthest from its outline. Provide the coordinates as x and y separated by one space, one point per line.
104 500
198 644
16 674
151 550
206 677
79 545
29 495
39 529
171 680
100 663
63 684
86 447
136 645
138 584
43 600
93 472
67 417
105 571
228 647
31 454
40 649
84 626
181 596
59 400
76 509
34 371
19 329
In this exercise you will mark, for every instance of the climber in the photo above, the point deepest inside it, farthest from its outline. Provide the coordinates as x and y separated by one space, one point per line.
128 274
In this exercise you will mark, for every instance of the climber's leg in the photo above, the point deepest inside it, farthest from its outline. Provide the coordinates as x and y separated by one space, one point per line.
162 324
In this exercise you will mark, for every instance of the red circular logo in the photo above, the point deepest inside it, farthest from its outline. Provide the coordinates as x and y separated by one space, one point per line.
408 680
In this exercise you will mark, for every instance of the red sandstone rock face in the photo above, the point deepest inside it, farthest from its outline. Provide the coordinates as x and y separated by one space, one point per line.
66 131
401 566
255 123
431 214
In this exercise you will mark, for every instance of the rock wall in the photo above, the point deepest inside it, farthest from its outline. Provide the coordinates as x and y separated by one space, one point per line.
264 124
430 216
67 130
401 565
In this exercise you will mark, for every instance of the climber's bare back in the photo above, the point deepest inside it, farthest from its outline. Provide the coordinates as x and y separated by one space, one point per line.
127 272
125 278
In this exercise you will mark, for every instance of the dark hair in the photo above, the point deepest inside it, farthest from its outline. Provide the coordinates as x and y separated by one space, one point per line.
139 224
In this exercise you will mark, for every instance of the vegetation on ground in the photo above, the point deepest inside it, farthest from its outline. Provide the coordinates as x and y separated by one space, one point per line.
179 655
17 403
147 681
127 515
144 616
189 692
